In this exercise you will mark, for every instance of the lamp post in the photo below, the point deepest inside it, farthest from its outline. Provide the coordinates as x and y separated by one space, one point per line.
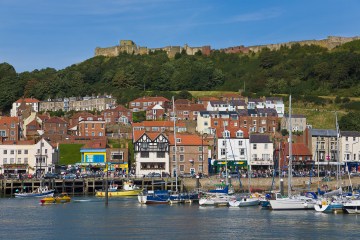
41 133
204 135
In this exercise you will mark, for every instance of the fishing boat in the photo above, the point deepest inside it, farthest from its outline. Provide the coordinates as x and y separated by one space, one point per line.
129 189
154 197
62 198
39 192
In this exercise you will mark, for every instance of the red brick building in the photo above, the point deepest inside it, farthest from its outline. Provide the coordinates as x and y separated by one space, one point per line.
144 103
120 114
10 128
91 126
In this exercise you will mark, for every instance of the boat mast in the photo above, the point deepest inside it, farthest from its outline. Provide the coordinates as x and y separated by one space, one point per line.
176 170
226 176
338 180
290 150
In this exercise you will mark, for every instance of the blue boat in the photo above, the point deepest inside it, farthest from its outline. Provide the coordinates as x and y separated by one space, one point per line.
154 197
39 192
184 197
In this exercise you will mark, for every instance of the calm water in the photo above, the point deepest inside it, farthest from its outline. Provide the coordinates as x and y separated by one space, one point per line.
124 218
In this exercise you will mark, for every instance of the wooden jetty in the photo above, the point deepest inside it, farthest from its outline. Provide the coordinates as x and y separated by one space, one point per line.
86 186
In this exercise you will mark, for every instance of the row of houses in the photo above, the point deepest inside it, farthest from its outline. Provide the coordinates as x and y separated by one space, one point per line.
231 131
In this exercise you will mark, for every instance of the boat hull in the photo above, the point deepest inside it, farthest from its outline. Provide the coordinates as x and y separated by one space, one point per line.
121 193
291 204
48 193
352 207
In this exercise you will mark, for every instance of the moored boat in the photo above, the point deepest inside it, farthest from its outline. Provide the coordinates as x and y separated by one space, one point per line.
154 197
352 207
129 189
39 192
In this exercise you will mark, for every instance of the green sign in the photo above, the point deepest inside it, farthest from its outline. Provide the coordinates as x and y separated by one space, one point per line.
237 163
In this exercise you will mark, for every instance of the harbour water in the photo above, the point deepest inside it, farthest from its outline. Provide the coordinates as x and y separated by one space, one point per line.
125 218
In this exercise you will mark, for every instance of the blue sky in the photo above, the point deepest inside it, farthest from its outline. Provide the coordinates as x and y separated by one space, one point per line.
36 34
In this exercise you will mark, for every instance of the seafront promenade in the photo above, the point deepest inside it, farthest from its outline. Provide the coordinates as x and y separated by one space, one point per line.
89 186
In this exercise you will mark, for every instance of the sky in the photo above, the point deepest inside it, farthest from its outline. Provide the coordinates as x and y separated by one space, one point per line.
36 34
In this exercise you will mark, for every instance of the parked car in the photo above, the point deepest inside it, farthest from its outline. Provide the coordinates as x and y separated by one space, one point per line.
51 175
187 175
154 175
70 176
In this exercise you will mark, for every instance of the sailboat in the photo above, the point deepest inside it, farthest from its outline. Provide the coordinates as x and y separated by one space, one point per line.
295 202
332 201
248 200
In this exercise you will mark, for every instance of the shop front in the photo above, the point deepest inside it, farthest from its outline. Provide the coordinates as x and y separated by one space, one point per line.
219 166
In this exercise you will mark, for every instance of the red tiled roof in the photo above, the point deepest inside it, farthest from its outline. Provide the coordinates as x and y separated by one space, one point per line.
298 149
187 140
55 120
151 135
8 120
151 99
27 100
232 130
22 142
158 124
191 107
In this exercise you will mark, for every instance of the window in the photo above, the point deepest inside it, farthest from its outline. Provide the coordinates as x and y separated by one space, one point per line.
346 138
244 122
181 149
182 158
200 149
200 168
200 158
215 123
117 155
347 147
160 154
266 146
182 168
254 146
178 140
5 161
12 133
226 134
12 160
92 133
239 134
5 151
12 152
242 151
144 154
2 133
86 126
19 160
222 151
173 158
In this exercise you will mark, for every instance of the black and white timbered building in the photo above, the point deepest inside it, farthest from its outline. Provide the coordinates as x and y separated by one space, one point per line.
151 153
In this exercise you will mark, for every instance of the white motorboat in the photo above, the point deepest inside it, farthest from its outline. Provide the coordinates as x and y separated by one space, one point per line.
214 200
352 206
39 192
296 202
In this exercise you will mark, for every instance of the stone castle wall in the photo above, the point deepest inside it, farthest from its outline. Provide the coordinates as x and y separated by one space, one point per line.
130 47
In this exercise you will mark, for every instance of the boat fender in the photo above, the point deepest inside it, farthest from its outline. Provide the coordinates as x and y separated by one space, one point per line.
305 205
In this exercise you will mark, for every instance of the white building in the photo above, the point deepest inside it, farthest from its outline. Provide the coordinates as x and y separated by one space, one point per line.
350 149
33 102
151 153
277 104
232 149
27 157
261 152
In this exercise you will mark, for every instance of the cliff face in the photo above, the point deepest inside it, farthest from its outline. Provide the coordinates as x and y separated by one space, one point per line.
130 47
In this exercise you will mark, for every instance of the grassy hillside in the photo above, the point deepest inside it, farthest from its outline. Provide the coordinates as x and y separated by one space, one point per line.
69 153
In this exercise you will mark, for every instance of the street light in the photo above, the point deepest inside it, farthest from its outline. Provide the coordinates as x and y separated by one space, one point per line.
41 133
204 135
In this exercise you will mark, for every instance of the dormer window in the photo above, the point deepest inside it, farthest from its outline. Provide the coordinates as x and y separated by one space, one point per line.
178 140
226 134
239 134
89 118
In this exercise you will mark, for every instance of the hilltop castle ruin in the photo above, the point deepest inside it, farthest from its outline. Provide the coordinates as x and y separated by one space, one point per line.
130 47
